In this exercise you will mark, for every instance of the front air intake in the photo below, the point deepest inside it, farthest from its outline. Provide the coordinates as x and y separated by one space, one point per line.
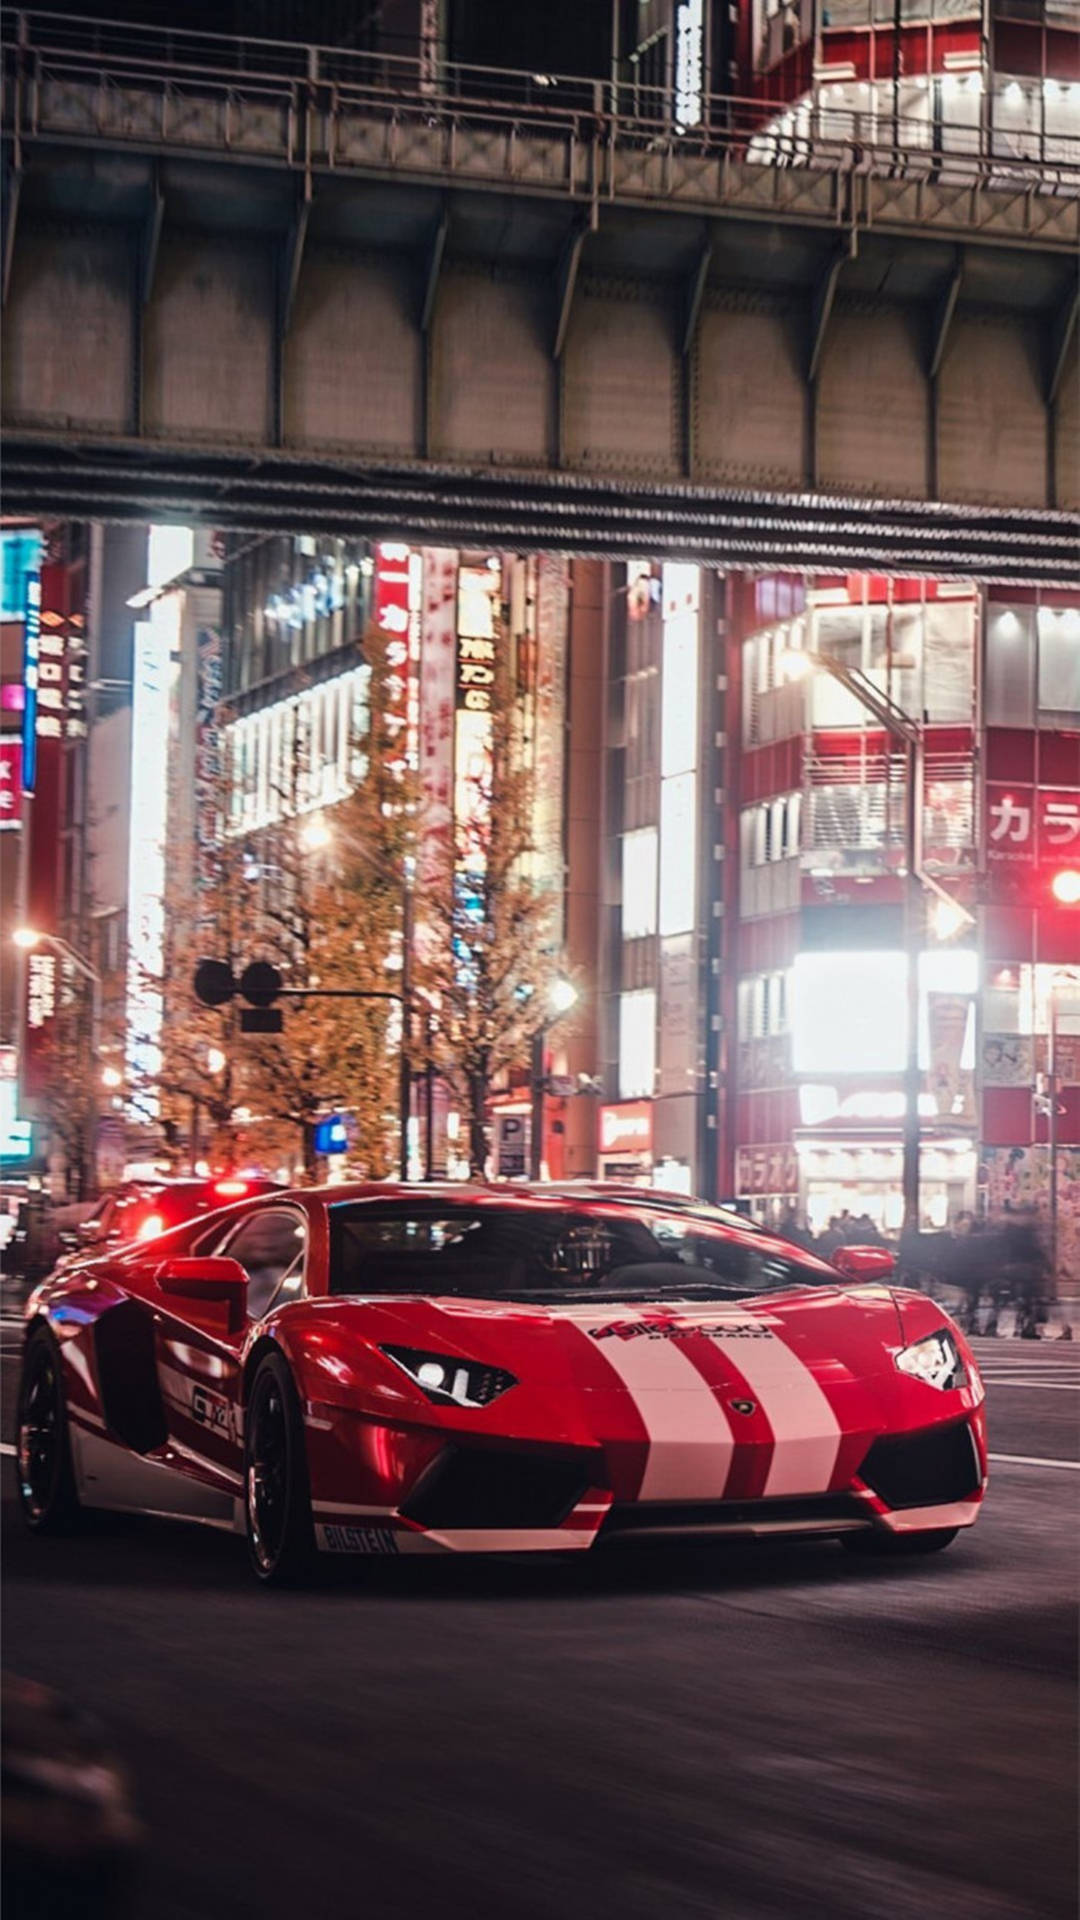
926 1469
478 1488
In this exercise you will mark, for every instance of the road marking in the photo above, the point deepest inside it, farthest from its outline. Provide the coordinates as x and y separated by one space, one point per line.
1032 1460
1034 1386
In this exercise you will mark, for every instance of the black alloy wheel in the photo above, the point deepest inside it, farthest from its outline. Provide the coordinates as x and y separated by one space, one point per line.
899 1545
277 1498
46 1477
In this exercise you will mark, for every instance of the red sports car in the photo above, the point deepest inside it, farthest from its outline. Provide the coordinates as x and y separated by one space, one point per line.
141 1209
395 1369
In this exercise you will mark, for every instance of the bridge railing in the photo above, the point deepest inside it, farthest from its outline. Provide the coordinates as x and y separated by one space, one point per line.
96 79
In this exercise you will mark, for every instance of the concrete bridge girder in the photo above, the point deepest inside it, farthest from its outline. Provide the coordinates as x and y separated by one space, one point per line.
204 355
339 283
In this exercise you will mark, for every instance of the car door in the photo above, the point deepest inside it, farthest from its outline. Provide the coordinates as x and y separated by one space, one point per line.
198 1362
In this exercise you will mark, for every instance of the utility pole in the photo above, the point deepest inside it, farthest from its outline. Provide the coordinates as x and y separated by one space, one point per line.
405 1065
913 931
536 1096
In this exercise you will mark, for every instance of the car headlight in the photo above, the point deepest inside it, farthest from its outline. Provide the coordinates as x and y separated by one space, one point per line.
467 1383
935 1361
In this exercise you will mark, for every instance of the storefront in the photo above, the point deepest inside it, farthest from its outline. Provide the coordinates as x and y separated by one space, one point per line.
625 1143
864 1175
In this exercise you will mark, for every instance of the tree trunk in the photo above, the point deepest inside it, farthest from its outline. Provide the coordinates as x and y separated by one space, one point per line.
477 1129
311 1158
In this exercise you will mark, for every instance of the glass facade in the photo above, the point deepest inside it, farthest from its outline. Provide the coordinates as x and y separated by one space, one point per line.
290 602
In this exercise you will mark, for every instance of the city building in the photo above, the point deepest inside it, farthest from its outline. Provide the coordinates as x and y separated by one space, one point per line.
656 937
937 78
756 915
67 677
816 858
293 693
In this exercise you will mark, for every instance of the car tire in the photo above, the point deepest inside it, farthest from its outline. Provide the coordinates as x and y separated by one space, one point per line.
899 1545
45 1473
277 1492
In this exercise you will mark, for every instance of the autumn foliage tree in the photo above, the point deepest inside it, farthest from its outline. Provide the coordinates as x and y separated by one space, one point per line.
489 935
330 918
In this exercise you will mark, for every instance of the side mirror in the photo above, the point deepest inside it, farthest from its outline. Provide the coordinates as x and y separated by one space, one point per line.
865 1263
207 1282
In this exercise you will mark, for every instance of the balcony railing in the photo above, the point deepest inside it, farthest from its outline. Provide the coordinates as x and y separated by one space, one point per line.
853 812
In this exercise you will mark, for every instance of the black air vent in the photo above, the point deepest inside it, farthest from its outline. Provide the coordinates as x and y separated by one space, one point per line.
923 1469
477 1488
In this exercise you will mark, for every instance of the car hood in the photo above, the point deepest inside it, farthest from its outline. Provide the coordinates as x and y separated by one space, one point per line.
853 1329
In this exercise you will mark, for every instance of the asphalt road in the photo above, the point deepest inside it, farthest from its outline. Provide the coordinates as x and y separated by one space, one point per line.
739 1732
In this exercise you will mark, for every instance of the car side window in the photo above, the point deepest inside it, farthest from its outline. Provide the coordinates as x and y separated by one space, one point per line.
270 1246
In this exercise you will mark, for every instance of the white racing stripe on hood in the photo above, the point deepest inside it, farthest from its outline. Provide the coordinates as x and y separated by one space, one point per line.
690 1437
690 1440
805 1428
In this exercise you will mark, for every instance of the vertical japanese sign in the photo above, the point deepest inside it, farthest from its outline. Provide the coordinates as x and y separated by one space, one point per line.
54 717
208 761
30 681
438 661
393 620
552 614
479 596
11 759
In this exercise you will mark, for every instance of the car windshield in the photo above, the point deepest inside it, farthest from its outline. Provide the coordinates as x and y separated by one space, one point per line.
498 1251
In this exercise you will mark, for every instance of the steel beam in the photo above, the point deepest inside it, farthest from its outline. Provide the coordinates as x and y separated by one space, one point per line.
1062 333
569 263
11 221
150 240
433 270
691 318
293 255
821 307
943 317
610 517
695 294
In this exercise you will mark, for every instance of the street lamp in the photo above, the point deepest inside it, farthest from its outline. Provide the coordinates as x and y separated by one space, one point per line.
949 914
562 995
316 834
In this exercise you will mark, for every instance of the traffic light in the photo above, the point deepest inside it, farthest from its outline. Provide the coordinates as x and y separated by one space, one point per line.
260 983
1065 886
214 983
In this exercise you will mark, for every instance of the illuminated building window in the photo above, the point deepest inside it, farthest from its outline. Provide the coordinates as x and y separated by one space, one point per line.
637 1044
639 869
678 854
1059 663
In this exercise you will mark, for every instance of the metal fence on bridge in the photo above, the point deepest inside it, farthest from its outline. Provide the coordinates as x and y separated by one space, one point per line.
265 100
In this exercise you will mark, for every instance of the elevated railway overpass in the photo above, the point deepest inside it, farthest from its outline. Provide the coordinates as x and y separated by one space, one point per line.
279 287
